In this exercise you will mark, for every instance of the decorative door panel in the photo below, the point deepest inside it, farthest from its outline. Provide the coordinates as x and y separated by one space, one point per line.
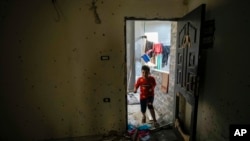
186 88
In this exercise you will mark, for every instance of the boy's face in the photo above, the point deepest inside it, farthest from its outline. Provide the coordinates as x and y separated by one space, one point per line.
144 73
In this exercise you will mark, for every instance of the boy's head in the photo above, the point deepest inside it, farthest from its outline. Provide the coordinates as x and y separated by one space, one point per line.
145 70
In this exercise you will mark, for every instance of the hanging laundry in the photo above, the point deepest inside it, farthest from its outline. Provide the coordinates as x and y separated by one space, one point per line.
165 55
157 48
148 48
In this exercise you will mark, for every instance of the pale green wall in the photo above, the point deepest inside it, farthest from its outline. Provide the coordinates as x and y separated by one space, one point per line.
225 97
52 78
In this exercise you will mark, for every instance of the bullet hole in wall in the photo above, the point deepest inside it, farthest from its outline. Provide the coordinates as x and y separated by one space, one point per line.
20 58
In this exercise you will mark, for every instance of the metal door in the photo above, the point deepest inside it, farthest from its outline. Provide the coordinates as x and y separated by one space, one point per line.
187 73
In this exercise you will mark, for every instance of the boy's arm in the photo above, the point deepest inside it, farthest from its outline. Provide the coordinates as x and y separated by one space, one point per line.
153 83
136 86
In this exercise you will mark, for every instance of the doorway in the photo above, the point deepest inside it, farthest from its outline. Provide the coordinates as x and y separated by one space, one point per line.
139 34
182 93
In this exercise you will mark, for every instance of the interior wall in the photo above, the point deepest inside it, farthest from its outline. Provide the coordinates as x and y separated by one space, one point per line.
130 53
139 47
52 78
224 95
162 27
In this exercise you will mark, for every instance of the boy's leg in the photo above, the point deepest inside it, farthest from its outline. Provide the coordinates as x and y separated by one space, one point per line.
151 109
143 117
143 110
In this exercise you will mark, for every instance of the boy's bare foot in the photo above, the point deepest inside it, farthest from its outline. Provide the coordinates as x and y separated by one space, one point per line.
143 120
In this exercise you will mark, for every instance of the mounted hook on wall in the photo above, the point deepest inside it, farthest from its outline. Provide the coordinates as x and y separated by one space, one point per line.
94 9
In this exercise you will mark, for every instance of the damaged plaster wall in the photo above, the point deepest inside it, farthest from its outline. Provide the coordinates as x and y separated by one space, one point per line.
52 78
225 90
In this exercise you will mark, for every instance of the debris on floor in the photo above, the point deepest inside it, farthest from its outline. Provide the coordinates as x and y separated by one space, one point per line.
115 136
140 133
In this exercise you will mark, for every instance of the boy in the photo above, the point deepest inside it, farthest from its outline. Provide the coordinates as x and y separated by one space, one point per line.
147 84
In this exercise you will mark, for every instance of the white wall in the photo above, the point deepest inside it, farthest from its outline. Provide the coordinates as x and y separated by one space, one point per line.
163 28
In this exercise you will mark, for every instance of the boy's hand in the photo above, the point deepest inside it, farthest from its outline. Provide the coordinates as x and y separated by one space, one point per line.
135 91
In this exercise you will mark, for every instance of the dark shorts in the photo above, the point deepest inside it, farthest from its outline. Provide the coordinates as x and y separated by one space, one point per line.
144 103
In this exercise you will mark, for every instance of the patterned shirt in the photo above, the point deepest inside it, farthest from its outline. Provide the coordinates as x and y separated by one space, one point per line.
146 85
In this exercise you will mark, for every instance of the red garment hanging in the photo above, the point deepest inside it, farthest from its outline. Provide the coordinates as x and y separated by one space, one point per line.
157 47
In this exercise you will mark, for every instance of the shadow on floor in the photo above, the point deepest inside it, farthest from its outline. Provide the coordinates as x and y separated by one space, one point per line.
163 135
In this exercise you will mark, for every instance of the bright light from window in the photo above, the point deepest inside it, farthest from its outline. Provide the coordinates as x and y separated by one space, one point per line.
152 36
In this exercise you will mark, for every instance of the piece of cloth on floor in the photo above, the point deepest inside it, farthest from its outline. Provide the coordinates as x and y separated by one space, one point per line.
132 99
